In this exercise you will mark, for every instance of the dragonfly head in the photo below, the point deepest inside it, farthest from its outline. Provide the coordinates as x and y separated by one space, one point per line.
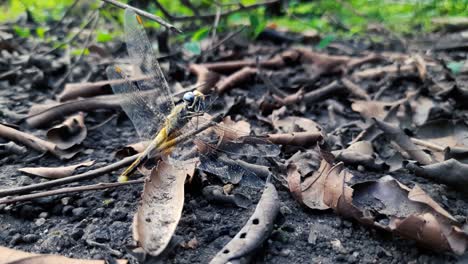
195 101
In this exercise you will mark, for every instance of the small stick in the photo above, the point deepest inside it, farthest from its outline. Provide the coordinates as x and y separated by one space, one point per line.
144 14
101 185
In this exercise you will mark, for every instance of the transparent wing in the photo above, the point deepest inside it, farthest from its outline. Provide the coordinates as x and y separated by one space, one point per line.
141 53
143 114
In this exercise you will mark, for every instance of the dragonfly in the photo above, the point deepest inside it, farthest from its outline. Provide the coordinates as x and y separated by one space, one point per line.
156 116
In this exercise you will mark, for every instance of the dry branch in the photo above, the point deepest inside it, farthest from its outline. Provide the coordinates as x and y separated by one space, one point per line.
27 197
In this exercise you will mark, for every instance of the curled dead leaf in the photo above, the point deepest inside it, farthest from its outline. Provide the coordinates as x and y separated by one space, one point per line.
35 143
450 172
255 231
70 133
214 193
55 172
131 149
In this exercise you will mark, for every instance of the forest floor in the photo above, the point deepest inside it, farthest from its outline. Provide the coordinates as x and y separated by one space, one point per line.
394 91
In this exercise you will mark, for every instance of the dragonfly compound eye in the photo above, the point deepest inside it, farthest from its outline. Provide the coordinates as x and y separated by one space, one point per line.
189 97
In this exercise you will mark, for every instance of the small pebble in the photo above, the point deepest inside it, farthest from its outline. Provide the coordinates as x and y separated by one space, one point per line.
40 221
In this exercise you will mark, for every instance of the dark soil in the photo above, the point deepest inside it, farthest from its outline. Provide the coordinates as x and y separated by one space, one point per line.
66 224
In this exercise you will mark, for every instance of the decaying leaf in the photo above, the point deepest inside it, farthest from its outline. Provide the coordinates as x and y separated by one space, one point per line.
313 187
286 124
255 231
304 139
404 142
12 256
12 148
390 205
55 172
450 172
70 133
359 153
161 207
215 193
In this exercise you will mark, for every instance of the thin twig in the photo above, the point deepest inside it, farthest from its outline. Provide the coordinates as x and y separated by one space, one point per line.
101 185
144 14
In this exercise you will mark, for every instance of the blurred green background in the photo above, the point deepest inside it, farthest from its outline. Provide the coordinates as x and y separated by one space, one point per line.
329 18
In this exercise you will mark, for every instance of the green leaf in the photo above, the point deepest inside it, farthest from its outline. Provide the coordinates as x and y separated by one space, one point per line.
22 31
103 36
256 24
201 34
77 52
40 32
193 47
325 41
455 66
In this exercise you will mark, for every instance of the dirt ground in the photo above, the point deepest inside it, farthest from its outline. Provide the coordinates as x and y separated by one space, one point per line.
70 224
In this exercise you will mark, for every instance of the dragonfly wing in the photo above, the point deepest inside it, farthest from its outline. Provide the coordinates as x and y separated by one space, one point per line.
142 54
135 104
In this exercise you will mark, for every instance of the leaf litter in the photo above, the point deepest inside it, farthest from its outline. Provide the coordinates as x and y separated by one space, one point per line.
341 117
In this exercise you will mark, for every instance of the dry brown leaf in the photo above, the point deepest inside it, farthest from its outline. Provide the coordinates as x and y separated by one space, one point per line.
288 123
313 187
303 139
161 207
55 172
392 206
359 153
70 133
255 231
450 172
12 256
404 142
232 130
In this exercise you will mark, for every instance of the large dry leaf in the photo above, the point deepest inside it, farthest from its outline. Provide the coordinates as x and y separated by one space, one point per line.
255 231
70 133
55 172
446 133
390 205
161 207
12 256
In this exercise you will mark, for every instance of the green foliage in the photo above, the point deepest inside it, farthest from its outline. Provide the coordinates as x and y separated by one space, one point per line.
103 36
193 48
257 24
455 66
324 42
21 31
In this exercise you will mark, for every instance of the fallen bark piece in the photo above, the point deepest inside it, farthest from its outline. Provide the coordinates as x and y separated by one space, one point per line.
55 172
43 115
90 89
385 70
404 142
304 139
214 193
161 207
206 79
255 231
35 142
12 256
70 133
235 79
450 172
